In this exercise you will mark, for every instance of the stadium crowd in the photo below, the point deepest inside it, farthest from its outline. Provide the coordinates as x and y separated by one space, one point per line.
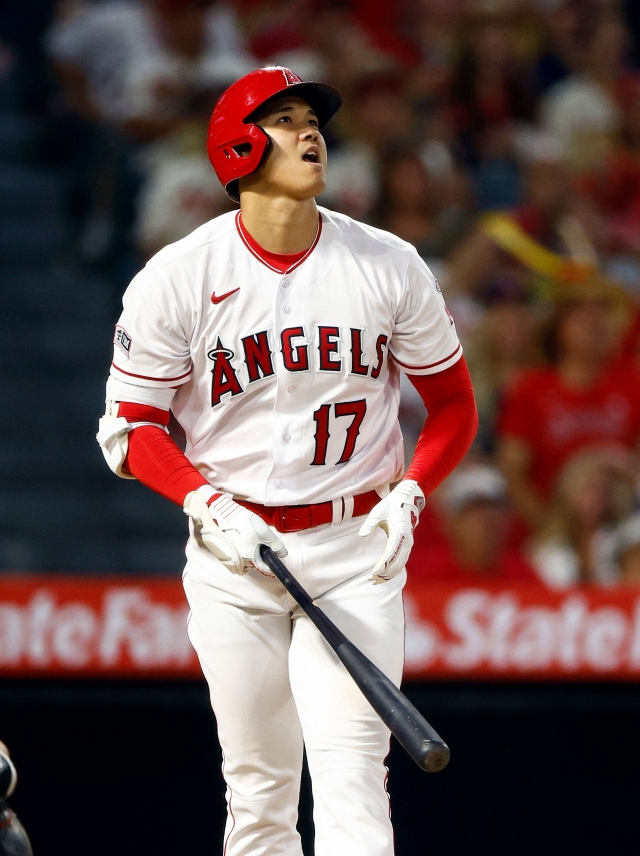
502 139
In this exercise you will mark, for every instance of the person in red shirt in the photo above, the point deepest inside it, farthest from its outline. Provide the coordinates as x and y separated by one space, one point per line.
476 519
585 398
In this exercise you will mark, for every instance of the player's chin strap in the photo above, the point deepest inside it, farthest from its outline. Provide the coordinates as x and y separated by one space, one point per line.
113 438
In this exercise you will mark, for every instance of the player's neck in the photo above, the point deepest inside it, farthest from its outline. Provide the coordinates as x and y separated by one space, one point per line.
278 224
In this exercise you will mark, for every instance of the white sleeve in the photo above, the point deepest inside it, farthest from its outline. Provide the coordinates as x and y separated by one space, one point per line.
424 339
151 344
133 393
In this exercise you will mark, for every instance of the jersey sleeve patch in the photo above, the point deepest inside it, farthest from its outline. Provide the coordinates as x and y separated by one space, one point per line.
151 342
123 340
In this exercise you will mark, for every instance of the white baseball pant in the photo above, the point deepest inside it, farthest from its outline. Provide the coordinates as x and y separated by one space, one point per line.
275 682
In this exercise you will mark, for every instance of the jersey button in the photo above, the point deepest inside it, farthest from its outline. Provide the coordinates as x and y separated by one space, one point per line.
278 484
287 438
285 283
286 309
291 389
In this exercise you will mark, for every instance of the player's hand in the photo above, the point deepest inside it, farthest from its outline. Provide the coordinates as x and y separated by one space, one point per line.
232 533
397 515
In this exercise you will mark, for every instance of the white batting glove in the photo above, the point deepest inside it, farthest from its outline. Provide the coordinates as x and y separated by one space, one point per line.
397 515
232 533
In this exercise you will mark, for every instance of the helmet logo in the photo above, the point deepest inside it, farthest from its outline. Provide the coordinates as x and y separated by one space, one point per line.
290 77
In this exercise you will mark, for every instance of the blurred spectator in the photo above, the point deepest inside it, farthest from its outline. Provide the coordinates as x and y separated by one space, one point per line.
613 183
335 29
476 520
543 215
566 25
434 26
418 205
505 343
381 114
581 110
577 543
137 70
491 86
140 63
627 550
180 194
275 26
585 398
380 119
329 40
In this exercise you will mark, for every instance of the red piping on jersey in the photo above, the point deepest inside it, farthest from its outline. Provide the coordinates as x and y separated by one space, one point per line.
233 817
146 377
278 262
431 365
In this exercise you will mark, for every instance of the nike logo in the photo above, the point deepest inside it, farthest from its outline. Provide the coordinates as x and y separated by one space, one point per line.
215 300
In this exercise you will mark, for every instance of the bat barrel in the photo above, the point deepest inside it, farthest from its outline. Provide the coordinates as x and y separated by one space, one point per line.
405 722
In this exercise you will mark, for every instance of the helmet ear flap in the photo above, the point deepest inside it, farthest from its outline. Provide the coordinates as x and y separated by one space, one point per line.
243 150
232 188
239 157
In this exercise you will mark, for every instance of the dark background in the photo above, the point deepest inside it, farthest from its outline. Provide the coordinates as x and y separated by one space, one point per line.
134 769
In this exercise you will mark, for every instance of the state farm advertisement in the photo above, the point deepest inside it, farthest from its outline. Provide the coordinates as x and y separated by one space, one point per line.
522 632
59 627
62 627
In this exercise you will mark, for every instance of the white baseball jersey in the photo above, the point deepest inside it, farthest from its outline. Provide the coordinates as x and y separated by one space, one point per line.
287 384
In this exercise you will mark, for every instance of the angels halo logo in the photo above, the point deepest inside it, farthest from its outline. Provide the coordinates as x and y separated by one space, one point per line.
290 77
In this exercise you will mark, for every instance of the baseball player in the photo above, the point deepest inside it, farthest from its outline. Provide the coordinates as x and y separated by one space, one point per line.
276 335
14 841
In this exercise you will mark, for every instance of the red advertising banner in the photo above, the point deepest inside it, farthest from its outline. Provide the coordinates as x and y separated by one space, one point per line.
64 627
522 632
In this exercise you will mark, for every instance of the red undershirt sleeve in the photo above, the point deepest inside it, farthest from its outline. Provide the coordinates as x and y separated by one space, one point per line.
450 427
154 459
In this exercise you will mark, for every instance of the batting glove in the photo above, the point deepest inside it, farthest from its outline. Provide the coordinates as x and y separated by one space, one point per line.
232 533
397 515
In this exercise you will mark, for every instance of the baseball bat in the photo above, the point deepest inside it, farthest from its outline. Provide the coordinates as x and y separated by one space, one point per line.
407 724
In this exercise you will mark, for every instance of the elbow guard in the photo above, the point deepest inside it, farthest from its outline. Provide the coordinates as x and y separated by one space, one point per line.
113 430
113 440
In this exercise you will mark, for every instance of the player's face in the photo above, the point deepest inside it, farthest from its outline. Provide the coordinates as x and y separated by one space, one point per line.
297 161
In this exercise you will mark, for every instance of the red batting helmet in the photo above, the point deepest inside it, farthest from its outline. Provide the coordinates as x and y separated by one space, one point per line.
231 130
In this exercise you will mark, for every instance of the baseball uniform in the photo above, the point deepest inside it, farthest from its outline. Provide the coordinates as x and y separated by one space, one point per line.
287 388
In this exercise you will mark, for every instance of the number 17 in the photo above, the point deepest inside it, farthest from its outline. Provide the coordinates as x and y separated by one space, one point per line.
357 409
